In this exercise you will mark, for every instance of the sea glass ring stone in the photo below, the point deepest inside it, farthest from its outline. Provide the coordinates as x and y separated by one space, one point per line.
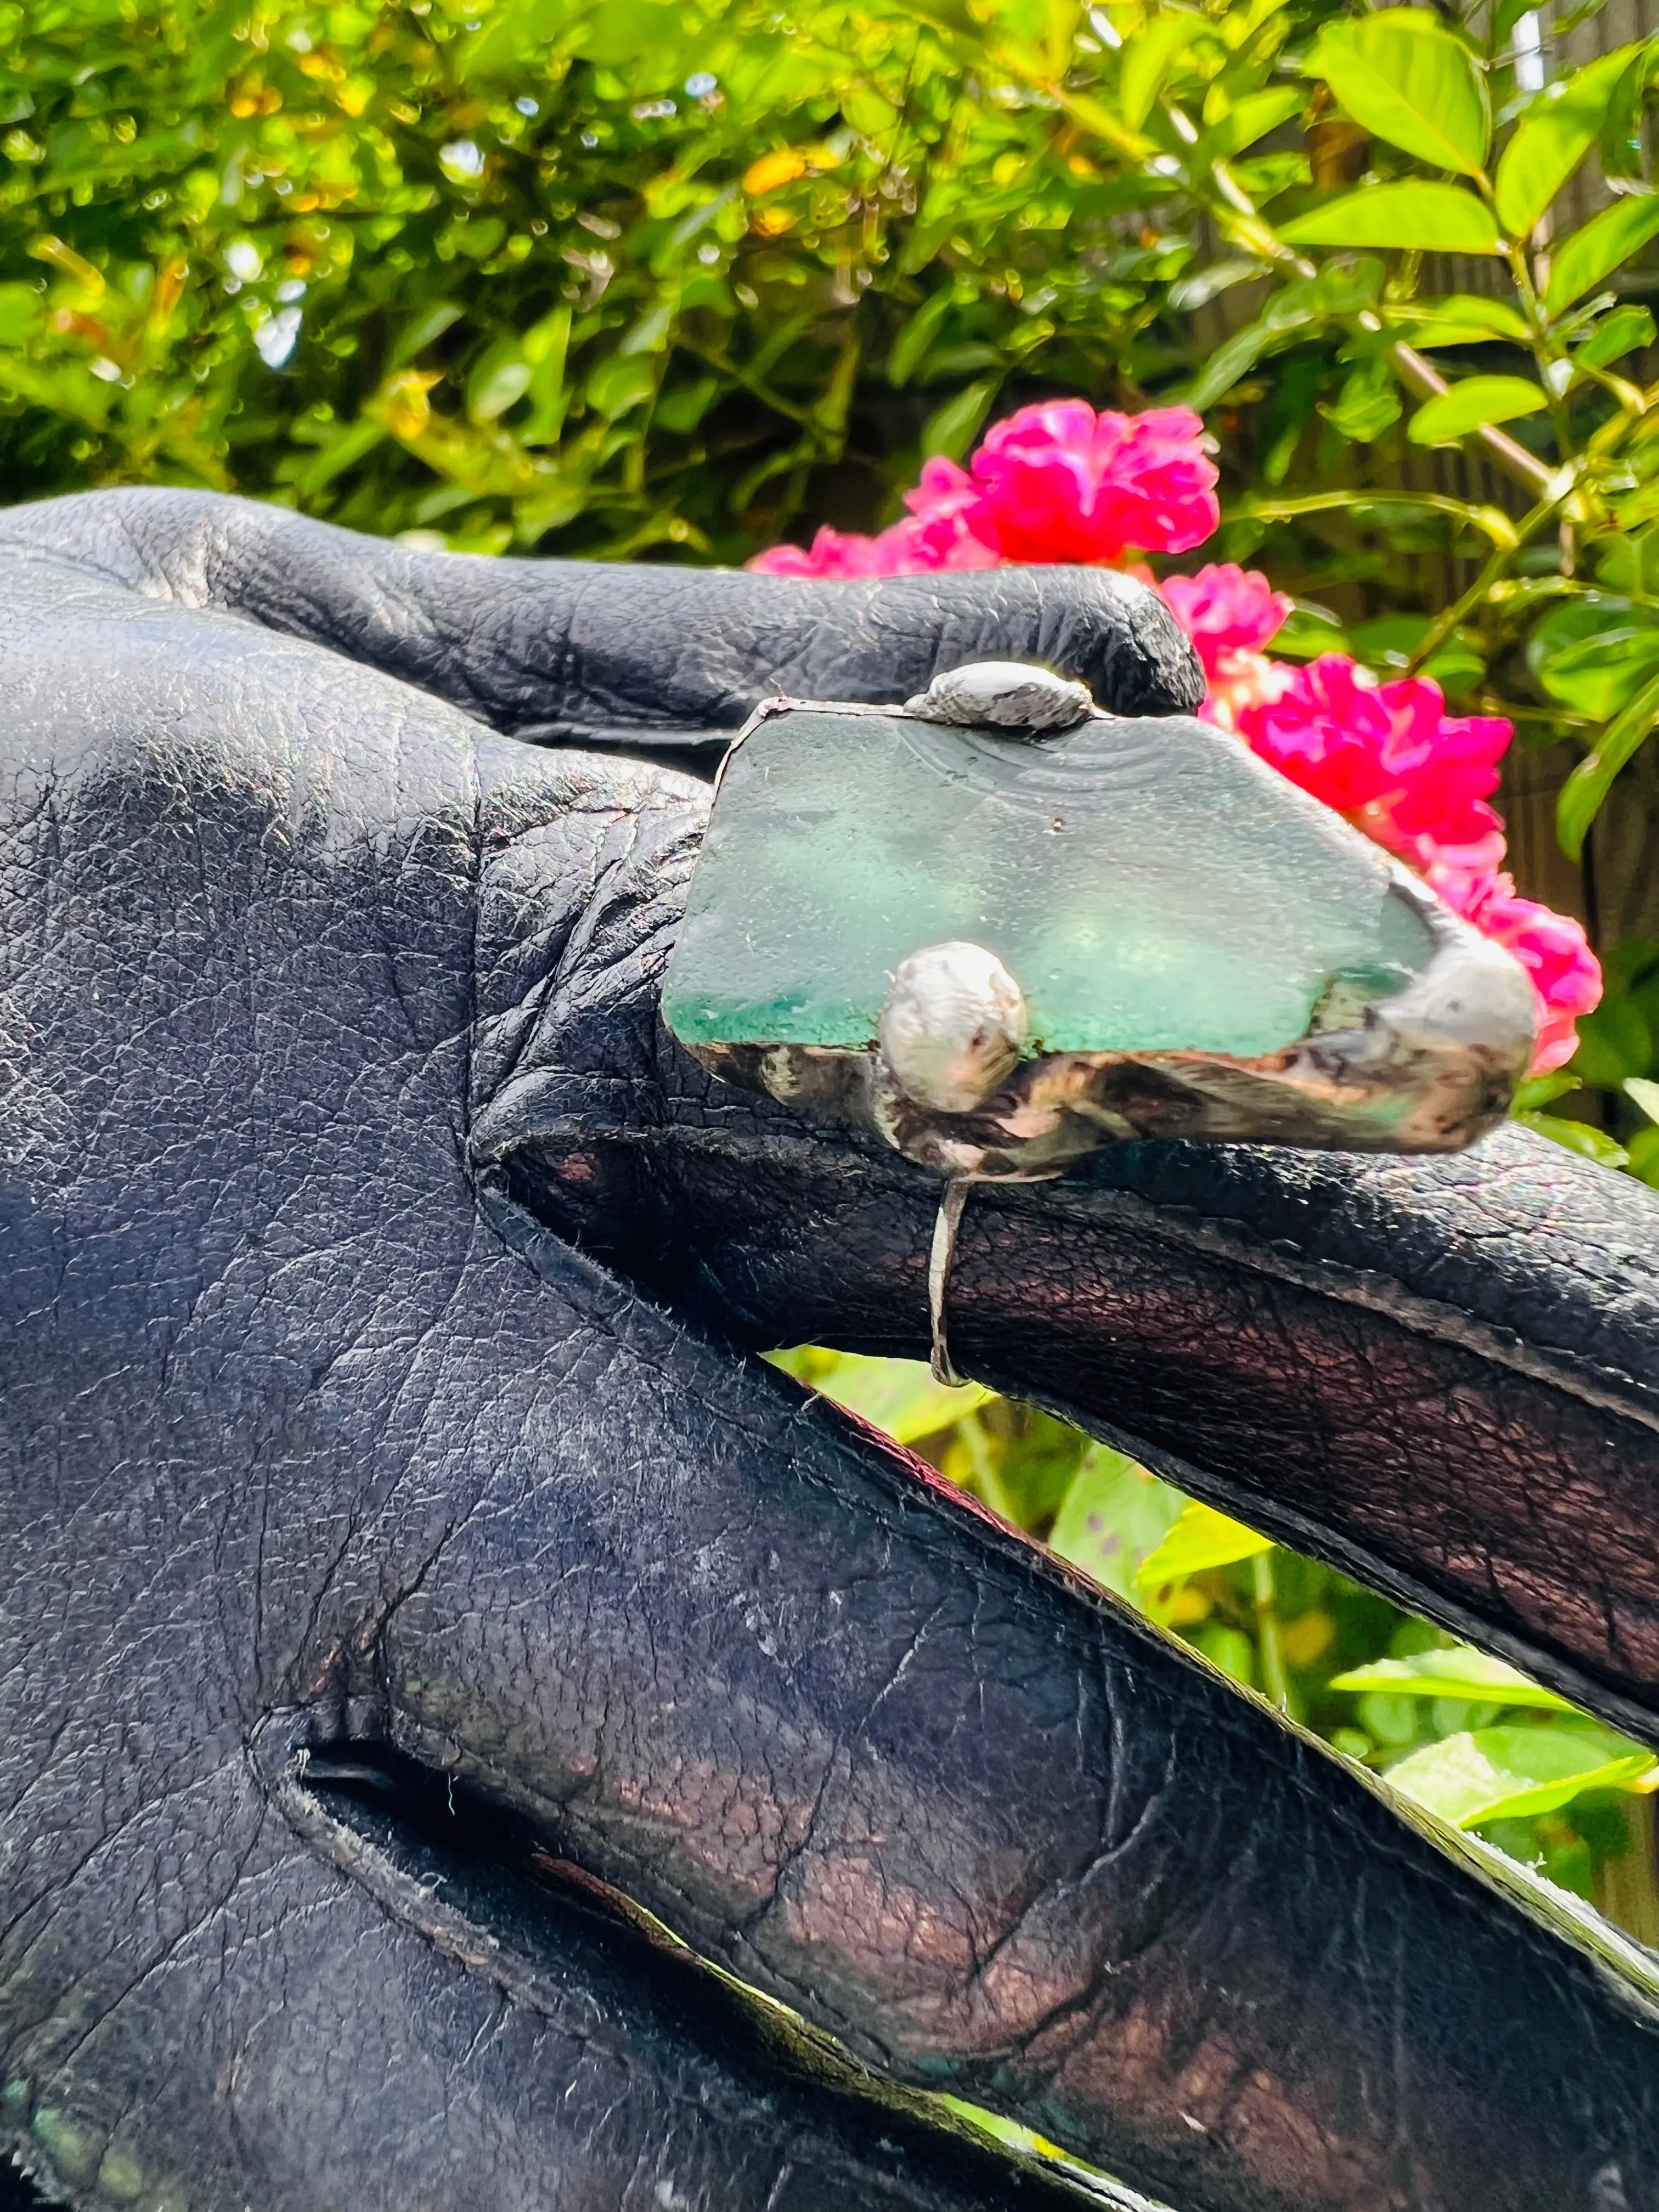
1000 946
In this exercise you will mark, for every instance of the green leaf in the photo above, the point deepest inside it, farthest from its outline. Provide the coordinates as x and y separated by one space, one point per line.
349 445
1113 1517
500 377
1405 78
650 333
1502 1773
950 16
1605 243
1629 564
1461 319
896 1395
1615 1041
1201 1538
1229 1650
1235 357
1644 1157
951 428
1456 668
1146 60
1621 333
1463 1673
1555 134
835 394
1392 642
1645 1094
918 334
1368 403
622 381
1251 119
1582 792
1591 1143
1478 400
619 31
1541 1091
1340 288
420 332
1204 285
1309 632
1594 652
1619 146
20 307
1421 217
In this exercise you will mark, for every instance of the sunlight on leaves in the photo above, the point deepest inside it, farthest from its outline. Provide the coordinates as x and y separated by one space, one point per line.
897 1395
1498 1773
1461 1673
1201 1538
1403 75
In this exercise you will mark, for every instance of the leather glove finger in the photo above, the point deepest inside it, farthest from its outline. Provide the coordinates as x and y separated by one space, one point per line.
870 1752
583 653
1440 1376
324 2006
896 1807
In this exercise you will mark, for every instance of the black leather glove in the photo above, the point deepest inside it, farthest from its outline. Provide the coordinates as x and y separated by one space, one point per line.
378 1438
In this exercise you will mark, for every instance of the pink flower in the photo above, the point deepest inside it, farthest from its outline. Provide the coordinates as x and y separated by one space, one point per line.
1566 974
1386 755
1229 613
1444 767
832 553
1059 482
1251 680
933 537
1441 769
937 531
1327 728
1054 482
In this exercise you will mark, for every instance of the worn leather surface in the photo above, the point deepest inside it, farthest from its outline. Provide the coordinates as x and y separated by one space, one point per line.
1437 1374
377 1281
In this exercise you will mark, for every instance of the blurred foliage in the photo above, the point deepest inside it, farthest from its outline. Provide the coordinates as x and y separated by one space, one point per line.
1463 1735
601 278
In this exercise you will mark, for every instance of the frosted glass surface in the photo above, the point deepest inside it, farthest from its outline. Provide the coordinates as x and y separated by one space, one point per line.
1149 883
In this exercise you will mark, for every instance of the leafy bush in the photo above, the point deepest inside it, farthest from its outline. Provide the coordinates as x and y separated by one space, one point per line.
588 278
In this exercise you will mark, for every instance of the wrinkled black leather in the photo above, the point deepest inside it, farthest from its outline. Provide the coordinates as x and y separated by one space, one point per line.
375 1267
1438 1375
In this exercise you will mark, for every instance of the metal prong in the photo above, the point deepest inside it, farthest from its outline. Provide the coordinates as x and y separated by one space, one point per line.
946 1222
1014 696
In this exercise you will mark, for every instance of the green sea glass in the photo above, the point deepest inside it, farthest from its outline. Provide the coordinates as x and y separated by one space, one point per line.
1150 885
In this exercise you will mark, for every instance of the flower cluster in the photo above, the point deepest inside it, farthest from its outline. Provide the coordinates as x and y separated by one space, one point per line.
1060 483
1566 975
1056 483
1389 757
1229 614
